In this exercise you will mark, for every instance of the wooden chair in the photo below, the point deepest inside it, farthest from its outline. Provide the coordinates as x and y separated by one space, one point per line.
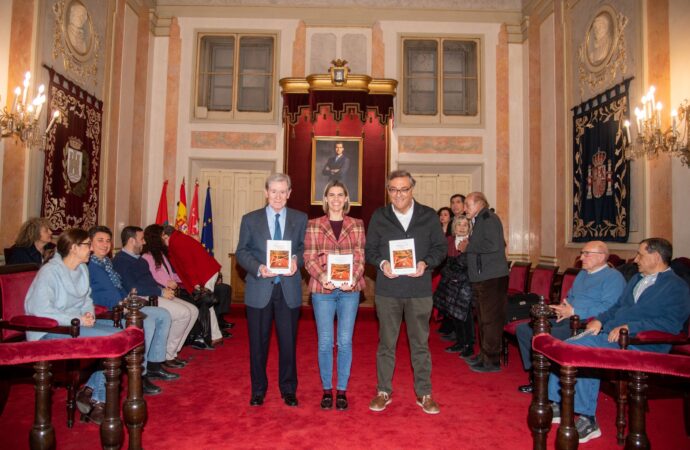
540 285
15 281
570 358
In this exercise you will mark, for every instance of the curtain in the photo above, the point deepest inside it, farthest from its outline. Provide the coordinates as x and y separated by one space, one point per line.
601 176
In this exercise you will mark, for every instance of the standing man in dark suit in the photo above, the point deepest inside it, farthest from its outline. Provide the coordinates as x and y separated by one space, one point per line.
269 296
487 267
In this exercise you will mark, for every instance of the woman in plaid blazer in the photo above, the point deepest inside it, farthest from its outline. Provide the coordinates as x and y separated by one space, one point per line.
335 233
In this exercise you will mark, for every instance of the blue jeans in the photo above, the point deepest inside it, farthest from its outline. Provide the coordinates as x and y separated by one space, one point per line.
587 387
156 329
97 379
326 306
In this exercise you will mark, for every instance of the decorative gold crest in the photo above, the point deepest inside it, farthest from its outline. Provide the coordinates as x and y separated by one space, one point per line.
75 167
602 54
339 72
76 39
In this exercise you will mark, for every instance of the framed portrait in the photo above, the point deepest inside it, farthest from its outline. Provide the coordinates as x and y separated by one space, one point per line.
78 30
336 158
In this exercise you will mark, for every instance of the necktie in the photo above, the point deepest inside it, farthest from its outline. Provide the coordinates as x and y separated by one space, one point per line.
277 235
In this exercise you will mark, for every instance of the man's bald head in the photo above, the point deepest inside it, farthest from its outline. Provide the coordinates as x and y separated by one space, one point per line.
594 255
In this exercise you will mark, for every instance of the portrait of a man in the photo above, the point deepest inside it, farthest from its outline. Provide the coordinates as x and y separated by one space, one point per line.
335 158
600 38
78 29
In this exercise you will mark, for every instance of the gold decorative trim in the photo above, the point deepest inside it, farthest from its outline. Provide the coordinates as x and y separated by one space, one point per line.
602 53
322 82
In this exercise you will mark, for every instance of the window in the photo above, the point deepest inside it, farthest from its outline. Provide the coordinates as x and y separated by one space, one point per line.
235 76
441 80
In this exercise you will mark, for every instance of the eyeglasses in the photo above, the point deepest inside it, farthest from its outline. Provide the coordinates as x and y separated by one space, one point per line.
587 253
404 191
88 244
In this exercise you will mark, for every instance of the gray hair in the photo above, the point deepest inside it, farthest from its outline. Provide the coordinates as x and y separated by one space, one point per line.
400 174
278 178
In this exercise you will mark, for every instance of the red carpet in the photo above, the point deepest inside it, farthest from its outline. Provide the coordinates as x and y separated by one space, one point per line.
208 407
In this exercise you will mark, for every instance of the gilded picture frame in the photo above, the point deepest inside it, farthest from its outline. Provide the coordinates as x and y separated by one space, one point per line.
329 163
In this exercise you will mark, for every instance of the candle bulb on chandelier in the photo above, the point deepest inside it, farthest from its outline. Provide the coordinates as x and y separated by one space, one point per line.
27 77
17 92
626 124
56 114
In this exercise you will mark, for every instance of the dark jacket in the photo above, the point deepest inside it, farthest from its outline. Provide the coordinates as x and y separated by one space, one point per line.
453 295
430 246
25 255
486 251
135 274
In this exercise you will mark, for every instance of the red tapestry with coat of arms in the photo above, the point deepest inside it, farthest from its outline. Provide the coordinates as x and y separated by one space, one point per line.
72 157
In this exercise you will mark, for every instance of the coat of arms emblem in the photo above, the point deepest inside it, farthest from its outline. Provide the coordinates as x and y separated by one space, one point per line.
599 176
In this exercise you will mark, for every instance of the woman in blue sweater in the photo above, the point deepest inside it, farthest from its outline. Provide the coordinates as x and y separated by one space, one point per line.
61 291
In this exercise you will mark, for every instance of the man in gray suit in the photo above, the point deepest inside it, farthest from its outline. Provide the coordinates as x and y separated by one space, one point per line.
487 268
269 296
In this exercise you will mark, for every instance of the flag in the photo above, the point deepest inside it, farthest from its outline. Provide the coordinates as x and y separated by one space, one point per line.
207 227
181 217
194 211
162 214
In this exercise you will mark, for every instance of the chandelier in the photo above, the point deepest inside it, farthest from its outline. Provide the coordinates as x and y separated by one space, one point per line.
651 139
20 119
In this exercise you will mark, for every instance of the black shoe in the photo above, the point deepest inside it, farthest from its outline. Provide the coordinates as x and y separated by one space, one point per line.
448 337
257 400
225 334
340 401
327 400
225 325
175 363
485 367
96 415
161 374
526 388
200 344
472 359
148 387
466 351
290 399
454 348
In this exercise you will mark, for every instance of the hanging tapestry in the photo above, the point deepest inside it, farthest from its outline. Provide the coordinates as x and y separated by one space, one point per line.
601 176
72 157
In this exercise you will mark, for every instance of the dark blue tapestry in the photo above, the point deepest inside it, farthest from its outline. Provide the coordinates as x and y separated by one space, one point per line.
601 176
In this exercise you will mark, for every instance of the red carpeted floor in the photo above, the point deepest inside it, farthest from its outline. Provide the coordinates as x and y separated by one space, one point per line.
208 407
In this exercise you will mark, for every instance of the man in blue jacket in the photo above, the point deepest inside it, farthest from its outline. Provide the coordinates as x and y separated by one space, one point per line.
655 299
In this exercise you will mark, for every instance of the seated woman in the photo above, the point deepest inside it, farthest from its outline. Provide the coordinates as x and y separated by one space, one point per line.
155 254
454 293
107 290
334 234
34 243
61 291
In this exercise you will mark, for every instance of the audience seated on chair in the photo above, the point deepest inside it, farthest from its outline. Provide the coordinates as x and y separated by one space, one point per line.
595 290
135 274
34 243
655 299
61 291
107 290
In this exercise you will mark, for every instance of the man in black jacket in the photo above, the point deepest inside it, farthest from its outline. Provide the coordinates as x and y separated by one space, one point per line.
487 268
404 295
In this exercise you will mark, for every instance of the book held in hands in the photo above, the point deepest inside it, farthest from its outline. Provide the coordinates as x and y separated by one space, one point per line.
278 256
402 256
340 269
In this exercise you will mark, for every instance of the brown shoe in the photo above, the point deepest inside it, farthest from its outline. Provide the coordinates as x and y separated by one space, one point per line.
380 402
428 404
97 414
84 401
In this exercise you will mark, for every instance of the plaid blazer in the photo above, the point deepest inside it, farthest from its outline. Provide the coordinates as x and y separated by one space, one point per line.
319 241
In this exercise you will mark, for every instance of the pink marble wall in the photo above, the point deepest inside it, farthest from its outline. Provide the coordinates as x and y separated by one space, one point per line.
299 50
378 52
440 144
534 130
172 96
233 140
15 157
502 130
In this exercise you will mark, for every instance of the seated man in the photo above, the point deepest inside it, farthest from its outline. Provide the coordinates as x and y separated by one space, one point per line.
595 289
655 299
107 290
135 274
